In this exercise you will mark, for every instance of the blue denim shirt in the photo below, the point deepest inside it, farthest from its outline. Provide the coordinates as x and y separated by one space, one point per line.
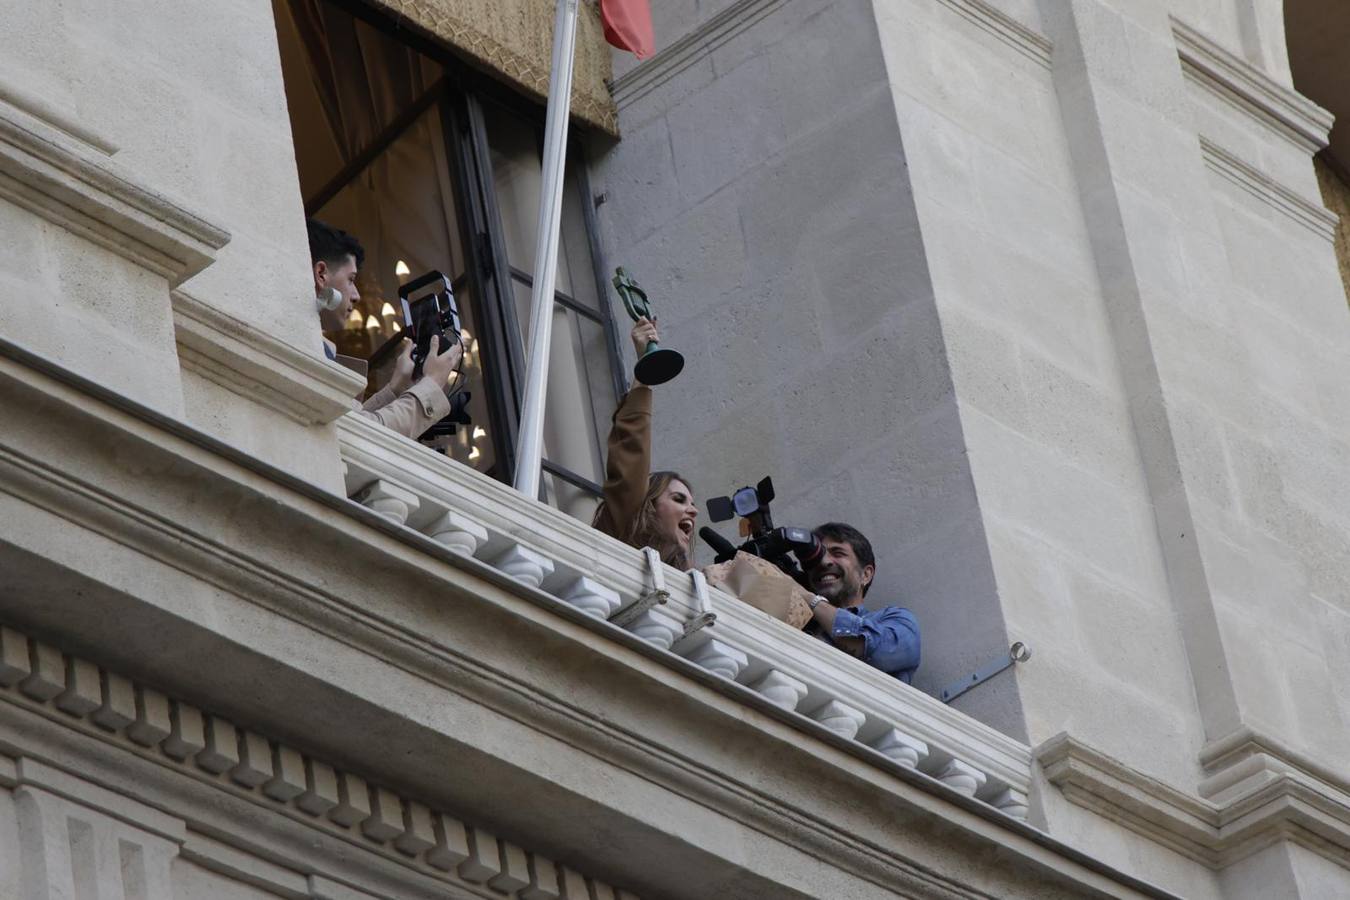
890 637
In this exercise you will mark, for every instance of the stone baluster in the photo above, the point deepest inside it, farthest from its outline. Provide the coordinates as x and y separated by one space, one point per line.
781 690
656 630
719 659
524 565
840 718
591 597
458 532
960 777
388 499
907 751
1010 801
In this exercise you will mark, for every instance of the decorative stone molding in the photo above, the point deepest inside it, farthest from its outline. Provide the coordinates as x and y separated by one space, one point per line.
1242 85
1012 802
1030 43
960 777
244 763
1274 806
719 659
840 718
677 56
674 58
1232 759
460 533
301 385
74 849
179 551
46 111
902 748
657 630
47 170
781 690
591 597
524 565
883 718
1312 216
396 504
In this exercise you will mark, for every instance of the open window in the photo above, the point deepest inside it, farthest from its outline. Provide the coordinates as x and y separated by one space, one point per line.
431 165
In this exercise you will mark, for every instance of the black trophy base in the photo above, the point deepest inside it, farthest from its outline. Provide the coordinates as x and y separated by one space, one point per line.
659 366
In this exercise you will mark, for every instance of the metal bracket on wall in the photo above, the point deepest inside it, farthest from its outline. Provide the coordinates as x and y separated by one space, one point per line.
704 617
626 615
1018 652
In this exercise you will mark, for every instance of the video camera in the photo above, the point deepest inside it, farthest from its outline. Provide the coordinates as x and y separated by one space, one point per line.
765 541
434 314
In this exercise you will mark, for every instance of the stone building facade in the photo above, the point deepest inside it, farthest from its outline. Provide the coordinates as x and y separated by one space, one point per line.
1042 295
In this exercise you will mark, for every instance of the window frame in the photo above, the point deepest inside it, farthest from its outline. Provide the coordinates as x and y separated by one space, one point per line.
460 94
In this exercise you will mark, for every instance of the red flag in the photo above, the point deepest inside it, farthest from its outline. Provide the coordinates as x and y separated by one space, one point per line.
628 26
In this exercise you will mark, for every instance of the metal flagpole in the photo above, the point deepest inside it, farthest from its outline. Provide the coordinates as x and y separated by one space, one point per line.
530 441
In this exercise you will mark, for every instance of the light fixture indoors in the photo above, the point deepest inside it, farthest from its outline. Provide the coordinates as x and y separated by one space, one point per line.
401 269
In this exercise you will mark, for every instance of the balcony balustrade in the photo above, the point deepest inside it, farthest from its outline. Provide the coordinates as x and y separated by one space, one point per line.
816 687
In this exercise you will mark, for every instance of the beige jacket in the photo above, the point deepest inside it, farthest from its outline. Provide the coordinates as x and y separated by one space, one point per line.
409 413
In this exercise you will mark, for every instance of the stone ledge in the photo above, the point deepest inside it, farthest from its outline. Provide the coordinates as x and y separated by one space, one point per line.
1236 81
1281 806
1031 44
1230 760
75 185
181 551
412 836
667 63
233 354
377 458
1312 216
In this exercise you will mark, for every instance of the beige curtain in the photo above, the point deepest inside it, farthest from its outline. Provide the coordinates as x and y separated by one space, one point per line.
513 40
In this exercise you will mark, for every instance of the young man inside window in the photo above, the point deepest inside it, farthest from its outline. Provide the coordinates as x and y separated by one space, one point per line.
403 405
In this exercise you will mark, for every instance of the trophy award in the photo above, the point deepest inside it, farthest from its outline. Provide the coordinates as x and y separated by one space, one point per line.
658 364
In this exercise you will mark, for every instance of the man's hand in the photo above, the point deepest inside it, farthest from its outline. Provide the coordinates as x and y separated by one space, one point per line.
643 333
440 366
403 369
824 613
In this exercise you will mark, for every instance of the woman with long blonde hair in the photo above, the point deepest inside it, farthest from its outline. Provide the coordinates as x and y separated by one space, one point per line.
641 507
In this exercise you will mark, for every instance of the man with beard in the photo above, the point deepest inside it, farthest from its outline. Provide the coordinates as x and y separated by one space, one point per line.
887 638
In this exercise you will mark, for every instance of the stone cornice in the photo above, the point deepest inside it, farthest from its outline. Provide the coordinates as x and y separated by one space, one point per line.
672 59
272 604
1237 82
1030 43
372 452
74 184
667 63
1280 806
1250 745
302 386
184 742
1312 216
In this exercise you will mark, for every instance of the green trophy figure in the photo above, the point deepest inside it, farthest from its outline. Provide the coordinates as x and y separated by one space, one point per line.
658 364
